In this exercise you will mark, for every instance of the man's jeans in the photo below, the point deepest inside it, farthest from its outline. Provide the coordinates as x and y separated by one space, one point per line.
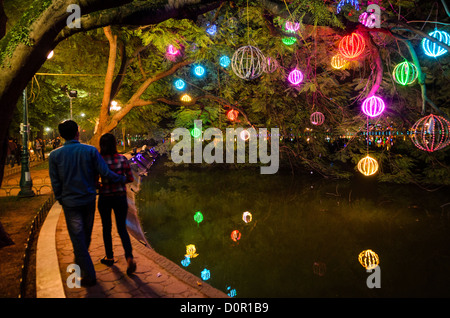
80 221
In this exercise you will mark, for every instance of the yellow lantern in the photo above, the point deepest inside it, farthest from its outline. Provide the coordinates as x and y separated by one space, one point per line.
368 259
191 251
186 98
368 166
338 62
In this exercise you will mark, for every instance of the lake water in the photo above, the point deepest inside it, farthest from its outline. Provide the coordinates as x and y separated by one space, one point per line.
305 234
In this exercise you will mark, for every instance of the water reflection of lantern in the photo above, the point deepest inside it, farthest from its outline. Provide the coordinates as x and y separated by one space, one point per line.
319 268
191 251
368 259
431 133
198 217
317 118
351 46
205 274
235 235
186 261
232 114
247 217
368 166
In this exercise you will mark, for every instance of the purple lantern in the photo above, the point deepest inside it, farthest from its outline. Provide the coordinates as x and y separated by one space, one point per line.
295 77
373 106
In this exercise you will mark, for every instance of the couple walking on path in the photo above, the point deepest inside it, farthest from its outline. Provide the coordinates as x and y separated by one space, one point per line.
74 171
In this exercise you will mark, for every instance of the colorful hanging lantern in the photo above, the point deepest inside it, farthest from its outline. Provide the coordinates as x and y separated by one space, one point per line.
246 217
351 46
205 274
180 84
271 65
373 106
319 268
235 235
368 166
292 27
199 71
431 133
224 61
186 261
211 29
186 98
172 50
354 3
295 77
368 259
191 251
245 135
248 62
289 40
405 73
338 62
367 19
198 217
232 292
196 132
232 114
432 49
317 118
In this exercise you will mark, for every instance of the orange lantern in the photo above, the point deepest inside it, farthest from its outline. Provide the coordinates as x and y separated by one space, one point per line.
235 235
368 166
232 114
338 62
351 46
368 259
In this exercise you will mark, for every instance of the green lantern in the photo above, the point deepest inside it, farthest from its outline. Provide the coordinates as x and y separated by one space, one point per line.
289 40
198 217
405 73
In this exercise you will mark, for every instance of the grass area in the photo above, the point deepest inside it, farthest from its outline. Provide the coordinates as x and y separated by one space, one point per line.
16 215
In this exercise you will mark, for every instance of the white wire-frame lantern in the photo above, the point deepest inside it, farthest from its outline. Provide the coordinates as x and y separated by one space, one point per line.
248 62
270 65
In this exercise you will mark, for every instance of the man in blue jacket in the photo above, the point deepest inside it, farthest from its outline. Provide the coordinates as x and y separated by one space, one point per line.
74 169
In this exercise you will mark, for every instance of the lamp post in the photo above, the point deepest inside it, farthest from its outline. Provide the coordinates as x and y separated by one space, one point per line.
26 183
71 94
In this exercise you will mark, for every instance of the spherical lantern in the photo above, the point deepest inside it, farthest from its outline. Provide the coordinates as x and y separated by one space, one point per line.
186 261
317 118
405 73
368 259
172 50
180 84
246 217
432 49
186 98
373 106
198 217
295 77
248 62
431 133
191 251
338 62
224 61
199 71
367 19
341 3
368 166
289 40
271 65
351 46
232 114
245 135
196 132
205 274
292 27
319 268
235 235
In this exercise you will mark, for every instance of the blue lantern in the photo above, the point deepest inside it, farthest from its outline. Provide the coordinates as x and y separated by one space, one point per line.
224 61
232 292
211 30
186 261
433 49
180 84
199 70
206 274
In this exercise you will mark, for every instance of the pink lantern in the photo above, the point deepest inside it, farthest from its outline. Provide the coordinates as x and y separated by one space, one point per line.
317 118
431 133
295 77
172 50
292 26
373 106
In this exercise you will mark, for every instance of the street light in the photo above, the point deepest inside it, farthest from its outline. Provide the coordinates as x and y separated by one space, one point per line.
71 94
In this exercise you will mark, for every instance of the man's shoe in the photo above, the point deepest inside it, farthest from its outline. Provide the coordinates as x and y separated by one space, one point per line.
107 261
131 266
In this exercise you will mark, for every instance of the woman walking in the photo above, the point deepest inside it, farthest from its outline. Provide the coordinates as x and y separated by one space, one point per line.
112 196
